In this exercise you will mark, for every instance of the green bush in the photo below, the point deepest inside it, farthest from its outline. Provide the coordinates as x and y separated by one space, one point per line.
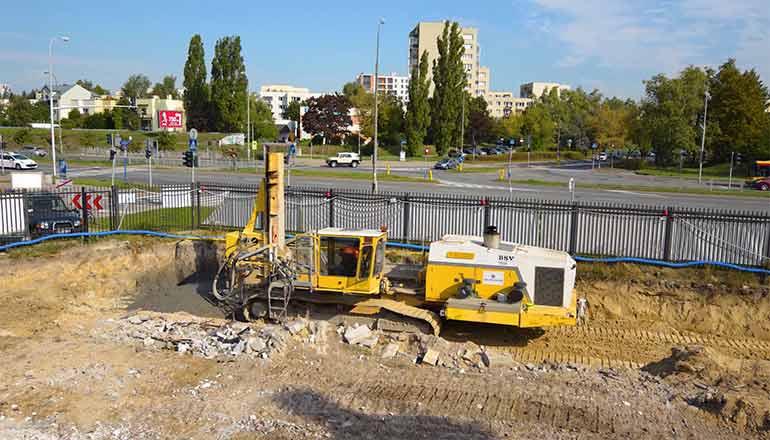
634 164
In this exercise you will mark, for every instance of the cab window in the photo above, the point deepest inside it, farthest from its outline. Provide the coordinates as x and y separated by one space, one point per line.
379 258
366 262
339 256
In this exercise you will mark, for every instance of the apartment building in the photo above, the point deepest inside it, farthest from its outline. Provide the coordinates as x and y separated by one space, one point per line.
534 90
392 84
423 39
504 104
278 97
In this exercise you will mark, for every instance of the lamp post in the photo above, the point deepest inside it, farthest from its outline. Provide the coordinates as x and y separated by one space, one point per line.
376 86
706 99
50 97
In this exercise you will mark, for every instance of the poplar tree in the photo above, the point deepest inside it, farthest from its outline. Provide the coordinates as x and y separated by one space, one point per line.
418 108
450 82
228 86
196 94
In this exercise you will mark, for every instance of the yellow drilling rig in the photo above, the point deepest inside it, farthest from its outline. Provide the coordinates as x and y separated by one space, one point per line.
465 278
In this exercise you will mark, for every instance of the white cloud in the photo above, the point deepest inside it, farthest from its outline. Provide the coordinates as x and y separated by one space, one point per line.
664 35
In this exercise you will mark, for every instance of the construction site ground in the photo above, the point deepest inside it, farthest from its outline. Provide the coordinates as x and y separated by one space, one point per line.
98 341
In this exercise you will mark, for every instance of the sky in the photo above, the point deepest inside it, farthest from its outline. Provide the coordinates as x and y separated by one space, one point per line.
611 45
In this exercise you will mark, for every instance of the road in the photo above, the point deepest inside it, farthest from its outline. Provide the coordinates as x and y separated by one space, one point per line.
470 183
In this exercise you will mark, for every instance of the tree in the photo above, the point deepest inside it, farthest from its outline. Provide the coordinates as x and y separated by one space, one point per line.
352 89
262 123
20 112
418 108
196 94
611 125
449 80
167 87
228 86
670 112
95 88
478 122
327 115
538 126
125 118
292 114
736 115
136 86
509 127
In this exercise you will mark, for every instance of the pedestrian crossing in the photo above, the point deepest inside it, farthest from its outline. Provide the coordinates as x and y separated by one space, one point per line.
479 186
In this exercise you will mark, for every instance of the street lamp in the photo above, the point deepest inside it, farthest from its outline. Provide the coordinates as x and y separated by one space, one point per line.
50 96
706 99
376 86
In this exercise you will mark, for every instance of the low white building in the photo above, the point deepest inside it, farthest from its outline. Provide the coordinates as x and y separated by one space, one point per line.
165 114
534 90
67 97
392 84
278 97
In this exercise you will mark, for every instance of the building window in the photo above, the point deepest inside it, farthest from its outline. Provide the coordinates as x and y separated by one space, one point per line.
468 47
468 37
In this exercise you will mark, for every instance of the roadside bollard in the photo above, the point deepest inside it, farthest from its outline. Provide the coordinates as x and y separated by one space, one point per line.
460 168
430 175
387 170
501 175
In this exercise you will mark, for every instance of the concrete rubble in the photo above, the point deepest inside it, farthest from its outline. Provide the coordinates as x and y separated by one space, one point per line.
207 340
357 334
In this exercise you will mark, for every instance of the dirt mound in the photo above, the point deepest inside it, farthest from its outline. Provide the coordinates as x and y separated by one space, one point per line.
707 301
733 390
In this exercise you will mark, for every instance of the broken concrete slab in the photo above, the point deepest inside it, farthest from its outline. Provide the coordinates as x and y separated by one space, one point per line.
497 360
295 327
354 335
390 351
430 357
370 341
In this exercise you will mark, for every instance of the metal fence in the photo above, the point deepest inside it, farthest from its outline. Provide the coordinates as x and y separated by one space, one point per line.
596 229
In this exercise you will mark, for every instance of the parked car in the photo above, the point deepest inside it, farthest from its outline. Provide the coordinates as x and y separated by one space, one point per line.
18 161
762 184
446 164
491 151
349 159
48 214
34 150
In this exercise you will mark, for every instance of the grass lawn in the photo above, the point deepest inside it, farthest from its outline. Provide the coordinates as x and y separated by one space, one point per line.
657 189
165 219
721 171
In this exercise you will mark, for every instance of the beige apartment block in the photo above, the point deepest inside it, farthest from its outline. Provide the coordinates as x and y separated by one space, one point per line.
504 104
535 90
423 39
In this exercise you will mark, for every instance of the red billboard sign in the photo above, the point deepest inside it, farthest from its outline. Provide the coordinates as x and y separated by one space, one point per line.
169 119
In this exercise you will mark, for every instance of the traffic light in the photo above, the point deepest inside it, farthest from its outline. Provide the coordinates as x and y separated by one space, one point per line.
112 153
148 153
187 159
109 140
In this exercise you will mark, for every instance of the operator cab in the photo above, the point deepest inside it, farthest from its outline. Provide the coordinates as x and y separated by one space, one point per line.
350 260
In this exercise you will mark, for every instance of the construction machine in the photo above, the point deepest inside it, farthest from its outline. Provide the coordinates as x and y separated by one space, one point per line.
465 278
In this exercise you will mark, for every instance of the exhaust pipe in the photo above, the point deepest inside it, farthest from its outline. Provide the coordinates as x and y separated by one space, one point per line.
491 237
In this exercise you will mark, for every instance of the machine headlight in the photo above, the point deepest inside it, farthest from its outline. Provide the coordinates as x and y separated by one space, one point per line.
76 223
42 225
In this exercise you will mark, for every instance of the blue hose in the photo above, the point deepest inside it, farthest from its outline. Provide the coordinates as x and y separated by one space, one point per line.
397 245
102 234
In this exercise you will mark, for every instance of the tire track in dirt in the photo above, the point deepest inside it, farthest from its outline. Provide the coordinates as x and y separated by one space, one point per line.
617 347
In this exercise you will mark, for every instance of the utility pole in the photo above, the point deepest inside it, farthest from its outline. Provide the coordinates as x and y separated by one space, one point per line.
248 126
706 98
50 98
462 125
376 87
730 182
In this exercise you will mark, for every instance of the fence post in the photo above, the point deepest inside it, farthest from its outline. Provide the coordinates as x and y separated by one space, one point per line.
667 238
192 206
407 218
766 262
331 208
198 202
114 208
573 228
84 210
487 213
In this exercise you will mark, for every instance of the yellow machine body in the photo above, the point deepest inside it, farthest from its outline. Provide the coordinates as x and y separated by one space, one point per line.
511 284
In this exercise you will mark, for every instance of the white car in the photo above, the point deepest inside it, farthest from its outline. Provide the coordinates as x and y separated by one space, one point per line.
603 156
18 161
350 159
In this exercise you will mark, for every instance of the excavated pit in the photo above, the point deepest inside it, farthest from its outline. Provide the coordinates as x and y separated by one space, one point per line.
64 365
